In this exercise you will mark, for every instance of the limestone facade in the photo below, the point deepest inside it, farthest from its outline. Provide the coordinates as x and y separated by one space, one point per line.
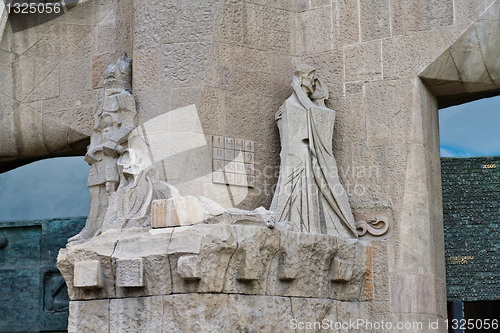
388 66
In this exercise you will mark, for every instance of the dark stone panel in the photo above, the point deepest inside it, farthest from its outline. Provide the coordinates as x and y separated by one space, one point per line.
19 300
33 294
471 214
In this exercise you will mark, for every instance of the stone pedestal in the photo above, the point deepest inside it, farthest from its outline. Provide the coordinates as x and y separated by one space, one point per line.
219 278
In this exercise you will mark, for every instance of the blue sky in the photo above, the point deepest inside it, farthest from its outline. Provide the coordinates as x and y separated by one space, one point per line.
45 189
471 129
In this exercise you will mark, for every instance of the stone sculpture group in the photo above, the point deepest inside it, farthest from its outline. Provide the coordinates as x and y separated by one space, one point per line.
123 181
145 240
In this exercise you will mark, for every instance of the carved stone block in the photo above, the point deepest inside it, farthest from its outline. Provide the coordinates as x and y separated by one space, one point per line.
341 270
248 269
175 212
187 267
129 273
88 274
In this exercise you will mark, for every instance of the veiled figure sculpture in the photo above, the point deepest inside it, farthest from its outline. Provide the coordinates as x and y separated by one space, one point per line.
309 195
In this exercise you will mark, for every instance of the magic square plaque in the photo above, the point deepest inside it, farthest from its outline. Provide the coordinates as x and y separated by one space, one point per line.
233 161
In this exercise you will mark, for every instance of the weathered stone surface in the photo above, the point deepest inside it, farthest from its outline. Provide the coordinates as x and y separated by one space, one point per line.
188 313
54 61
288 274
346 24
428 15
188 268
222 259
267 28
350 124
88 274
380 97
140 314
467 65
330 67
276 307
151 248
89 316
374 19
381 280
492 12
354 254
341 271
467 55
208 312
248 269
216 251
319 23
3 18
409 55
314 310
232 60
98 249
129 273
363 62
486 32
468 11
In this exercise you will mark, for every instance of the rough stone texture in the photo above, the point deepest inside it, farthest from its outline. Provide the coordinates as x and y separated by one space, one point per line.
89 316
88 274
346 22
129 273
374 19
53 66
140 314
151 249
363 62
219 313
220 259
467 66
233 61
94 250
187 267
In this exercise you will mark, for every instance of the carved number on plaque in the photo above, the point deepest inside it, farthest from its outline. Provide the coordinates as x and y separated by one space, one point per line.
233 161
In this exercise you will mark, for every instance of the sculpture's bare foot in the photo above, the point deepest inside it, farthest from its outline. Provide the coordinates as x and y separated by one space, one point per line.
75 240
80 238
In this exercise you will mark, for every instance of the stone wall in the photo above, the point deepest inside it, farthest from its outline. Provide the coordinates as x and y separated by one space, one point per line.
51 67
215 278
233 60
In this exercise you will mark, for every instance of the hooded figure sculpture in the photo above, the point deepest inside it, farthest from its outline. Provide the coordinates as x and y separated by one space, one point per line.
309 195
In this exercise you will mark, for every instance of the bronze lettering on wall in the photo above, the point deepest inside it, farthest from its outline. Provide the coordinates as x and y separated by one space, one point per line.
489 166
460 260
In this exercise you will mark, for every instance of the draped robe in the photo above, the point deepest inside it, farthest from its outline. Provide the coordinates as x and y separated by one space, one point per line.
309 194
